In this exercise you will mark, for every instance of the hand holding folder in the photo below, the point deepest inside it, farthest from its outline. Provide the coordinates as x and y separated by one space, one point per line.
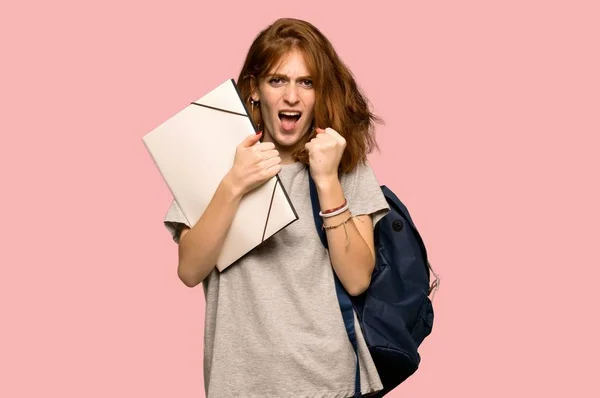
254 163
194 149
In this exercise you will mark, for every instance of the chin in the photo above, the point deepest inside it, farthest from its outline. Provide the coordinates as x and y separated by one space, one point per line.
289 139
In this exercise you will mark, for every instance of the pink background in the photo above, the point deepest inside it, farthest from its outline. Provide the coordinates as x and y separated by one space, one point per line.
491 138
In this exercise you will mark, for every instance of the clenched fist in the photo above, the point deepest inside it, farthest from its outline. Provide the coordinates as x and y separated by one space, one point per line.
325 153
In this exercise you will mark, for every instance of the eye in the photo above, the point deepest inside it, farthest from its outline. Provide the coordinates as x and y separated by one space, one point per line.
275 81
307 83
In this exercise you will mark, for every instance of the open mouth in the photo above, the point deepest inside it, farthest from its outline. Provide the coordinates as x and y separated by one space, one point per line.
289 119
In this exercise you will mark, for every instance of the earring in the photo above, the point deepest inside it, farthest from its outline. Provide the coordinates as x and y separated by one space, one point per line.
252 103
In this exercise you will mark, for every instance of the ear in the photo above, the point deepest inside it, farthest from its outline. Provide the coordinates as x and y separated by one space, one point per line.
254 89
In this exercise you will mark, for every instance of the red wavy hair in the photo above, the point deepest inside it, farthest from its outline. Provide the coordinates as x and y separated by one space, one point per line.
339 103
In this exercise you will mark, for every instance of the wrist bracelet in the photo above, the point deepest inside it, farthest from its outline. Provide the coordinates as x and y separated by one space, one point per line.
343 223
334 211
335 208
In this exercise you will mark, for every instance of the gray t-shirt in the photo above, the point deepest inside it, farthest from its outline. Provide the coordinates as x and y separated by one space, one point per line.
273 325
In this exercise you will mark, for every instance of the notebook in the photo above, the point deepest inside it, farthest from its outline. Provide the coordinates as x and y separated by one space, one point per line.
195 148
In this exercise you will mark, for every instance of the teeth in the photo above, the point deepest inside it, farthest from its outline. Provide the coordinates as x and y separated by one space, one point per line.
290 113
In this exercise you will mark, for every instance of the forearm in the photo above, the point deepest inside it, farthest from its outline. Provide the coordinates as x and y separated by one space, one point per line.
200 247
351 257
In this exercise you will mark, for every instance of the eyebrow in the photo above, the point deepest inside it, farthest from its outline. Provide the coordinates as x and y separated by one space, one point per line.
279 75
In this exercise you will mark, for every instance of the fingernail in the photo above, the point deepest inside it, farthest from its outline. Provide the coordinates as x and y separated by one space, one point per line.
258 132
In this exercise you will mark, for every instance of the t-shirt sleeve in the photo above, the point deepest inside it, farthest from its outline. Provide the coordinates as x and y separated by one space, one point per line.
174 221
364 194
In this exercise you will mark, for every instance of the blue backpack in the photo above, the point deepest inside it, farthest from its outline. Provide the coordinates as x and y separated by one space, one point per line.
395 314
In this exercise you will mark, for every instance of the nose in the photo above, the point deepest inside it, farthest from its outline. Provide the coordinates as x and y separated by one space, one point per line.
291 94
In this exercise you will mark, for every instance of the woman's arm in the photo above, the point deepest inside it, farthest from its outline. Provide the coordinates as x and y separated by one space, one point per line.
200 246
351 250
350 236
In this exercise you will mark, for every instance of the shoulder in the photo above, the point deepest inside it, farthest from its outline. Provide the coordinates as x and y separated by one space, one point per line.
363 192
362 175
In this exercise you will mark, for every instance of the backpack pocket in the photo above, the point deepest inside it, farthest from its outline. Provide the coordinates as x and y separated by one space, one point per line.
424 322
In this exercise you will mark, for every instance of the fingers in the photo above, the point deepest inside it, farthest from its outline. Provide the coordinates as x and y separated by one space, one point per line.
323 134
269 154
271 162
265 146
324 139
250 140
269 168
329 133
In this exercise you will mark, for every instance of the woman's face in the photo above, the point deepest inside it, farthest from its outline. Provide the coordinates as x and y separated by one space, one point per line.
287 100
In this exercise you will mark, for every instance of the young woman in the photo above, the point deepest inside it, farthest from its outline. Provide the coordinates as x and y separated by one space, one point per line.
273 324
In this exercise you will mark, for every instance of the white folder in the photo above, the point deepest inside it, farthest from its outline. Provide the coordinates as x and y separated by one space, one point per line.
194 149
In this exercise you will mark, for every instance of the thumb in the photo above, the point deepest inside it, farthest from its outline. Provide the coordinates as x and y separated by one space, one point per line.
251 139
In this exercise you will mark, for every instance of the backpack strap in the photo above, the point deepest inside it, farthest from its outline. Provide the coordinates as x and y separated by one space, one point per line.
343 298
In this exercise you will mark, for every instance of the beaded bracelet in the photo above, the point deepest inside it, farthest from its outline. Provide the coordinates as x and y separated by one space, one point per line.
343 223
